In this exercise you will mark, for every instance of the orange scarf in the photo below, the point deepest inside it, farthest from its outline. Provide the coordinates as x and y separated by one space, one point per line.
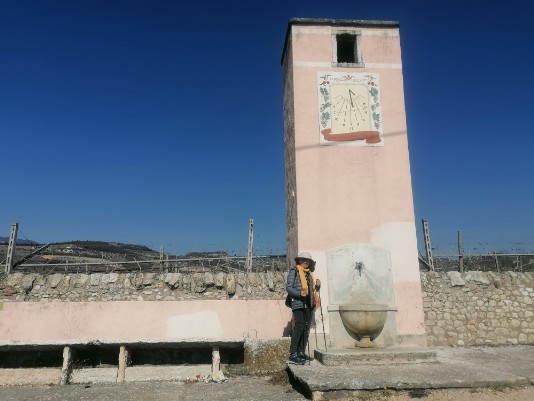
302 275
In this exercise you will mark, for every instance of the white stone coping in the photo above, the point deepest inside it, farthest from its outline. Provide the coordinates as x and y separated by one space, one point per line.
132 343
363 307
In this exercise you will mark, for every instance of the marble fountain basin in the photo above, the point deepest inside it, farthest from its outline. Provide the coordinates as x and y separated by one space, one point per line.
366 321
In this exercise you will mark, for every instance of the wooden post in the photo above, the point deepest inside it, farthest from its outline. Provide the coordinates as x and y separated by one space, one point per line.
460 252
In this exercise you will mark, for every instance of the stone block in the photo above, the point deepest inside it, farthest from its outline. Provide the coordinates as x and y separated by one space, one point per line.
209 281
27 283
80 280
265 356
149 279
478 277
53 280
14 279
173 280
219 280
456 279
95 279
270 281
253 279
109 278
186 282
242 279
230 284
198 284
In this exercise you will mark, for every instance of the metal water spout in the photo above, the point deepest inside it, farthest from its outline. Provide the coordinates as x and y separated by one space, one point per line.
359 267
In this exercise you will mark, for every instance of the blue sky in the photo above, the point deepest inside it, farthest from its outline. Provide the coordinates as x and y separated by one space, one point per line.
122 121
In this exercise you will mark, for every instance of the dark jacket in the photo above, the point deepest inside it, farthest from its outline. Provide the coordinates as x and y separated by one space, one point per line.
294 287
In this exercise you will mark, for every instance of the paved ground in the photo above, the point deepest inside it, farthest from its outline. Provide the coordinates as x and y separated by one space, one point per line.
470 367
244 388
474 373
236 389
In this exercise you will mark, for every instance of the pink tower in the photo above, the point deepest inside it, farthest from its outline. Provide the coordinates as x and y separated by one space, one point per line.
348 185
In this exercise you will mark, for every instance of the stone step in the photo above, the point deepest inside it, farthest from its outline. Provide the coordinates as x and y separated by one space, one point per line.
396 355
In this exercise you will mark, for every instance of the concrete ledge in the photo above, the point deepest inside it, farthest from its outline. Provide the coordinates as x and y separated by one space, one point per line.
30 377
166 373
388 355
94 375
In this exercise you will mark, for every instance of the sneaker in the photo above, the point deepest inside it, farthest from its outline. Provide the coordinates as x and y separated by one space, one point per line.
304 357
293 358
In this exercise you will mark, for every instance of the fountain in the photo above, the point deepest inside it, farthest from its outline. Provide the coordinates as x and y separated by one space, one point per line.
362 310
361 295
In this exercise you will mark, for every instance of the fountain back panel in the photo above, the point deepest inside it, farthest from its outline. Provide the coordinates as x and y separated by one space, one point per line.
360 278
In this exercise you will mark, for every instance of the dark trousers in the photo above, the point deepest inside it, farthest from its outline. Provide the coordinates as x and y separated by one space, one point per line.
301 330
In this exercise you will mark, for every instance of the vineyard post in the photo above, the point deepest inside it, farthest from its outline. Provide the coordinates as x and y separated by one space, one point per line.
428 245
11 247
460 252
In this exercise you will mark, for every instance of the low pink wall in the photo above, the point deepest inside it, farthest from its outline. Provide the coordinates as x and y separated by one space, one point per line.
39 322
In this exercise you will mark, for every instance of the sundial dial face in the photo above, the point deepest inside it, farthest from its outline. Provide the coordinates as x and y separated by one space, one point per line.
349 109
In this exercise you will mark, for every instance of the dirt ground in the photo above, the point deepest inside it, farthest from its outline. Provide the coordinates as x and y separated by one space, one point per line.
274 388
487 394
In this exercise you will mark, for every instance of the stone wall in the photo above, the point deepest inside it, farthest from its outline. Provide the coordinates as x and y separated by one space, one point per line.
141 286
474 308
478 308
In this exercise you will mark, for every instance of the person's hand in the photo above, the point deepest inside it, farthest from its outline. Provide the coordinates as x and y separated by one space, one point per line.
302 293
317 284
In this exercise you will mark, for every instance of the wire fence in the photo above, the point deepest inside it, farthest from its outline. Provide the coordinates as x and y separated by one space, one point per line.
454 256
496 262
182 265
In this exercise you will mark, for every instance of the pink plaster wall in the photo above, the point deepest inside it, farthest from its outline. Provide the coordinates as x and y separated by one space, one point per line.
345 192
43 322
348 194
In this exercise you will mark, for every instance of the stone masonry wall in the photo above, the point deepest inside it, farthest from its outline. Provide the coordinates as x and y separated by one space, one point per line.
141 286
478 308
474 308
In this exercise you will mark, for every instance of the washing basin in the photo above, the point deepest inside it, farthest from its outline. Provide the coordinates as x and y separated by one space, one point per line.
366 321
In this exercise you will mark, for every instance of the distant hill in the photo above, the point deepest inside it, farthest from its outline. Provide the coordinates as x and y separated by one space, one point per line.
5 240
79 251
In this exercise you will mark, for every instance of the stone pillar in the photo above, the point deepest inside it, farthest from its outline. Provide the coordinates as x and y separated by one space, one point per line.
215 360
124 360
66 370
